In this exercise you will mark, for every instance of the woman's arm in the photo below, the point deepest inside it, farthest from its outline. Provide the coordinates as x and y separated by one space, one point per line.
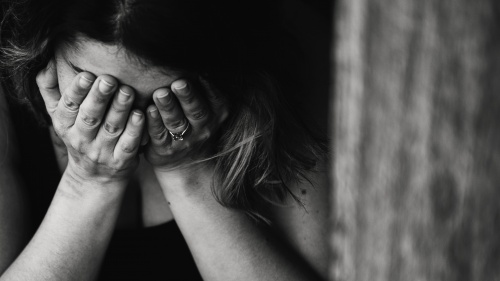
14 221
305 228
225 243
72 239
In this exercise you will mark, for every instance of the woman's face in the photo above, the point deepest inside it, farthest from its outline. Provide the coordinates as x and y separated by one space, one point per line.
98 59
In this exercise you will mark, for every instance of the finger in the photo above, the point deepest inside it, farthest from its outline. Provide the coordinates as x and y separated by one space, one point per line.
94 106
215 99
129 141
157 131
171 113
192 103
48 85
117 115
72 98
75 94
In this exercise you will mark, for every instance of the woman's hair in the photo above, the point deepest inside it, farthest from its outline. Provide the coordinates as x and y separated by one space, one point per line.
239 47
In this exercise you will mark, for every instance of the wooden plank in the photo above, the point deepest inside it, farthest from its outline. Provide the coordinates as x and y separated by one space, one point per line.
417 140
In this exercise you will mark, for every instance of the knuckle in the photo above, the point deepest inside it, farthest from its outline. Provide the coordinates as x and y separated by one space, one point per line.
76 145
100 98
59 128
159 135
188 98
127 147
69 104
118 108
169 105
117 162
199 114
133 133
51 107
93 156
111 129
89 120
121 164
177 124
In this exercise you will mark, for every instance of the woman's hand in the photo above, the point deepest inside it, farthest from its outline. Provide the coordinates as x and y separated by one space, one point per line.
182 124
102 145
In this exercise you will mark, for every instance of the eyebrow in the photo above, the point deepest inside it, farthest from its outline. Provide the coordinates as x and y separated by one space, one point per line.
76 68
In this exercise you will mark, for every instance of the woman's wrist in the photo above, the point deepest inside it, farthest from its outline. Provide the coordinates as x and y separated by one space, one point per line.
186 181
76 185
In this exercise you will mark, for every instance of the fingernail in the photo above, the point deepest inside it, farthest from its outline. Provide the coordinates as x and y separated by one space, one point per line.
153 113
164 97
123 96
85 82
136 117
105 86
180 85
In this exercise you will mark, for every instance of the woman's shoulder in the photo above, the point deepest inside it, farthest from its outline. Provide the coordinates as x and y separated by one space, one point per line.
303 224
309 193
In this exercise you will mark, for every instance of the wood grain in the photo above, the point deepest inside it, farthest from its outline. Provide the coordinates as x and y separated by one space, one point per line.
416 131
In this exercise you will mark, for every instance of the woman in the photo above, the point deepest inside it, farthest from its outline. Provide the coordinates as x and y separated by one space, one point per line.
191 102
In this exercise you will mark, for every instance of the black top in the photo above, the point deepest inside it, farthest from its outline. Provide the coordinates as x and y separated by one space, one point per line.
153 253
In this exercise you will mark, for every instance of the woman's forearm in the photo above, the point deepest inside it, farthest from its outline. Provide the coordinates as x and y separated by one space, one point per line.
72 239
225 243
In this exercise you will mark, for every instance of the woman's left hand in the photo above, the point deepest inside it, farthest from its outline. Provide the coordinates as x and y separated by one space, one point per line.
181 125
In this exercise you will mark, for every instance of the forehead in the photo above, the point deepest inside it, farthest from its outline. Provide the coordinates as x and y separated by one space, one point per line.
98 59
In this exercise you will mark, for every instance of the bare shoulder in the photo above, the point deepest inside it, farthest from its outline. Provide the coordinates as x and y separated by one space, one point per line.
304 225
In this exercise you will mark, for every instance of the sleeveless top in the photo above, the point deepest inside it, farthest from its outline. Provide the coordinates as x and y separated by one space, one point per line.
152 253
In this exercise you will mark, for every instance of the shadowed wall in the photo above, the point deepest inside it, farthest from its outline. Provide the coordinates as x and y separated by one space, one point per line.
416 131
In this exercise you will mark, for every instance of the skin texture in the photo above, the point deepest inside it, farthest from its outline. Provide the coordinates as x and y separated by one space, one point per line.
102 153
147 83
71 241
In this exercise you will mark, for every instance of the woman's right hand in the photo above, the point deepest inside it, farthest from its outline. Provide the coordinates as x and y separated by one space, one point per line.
102 144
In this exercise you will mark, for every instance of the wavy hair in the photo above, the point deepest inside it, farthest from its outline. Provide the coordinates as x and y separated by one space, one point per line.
239 47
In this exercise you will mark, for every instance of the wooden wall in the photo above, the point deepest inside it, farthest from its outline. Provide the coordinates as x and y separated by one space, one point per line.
416 131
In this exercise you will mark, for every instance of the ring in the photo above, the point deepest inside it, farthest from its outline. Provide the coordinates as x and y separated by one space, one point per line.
179 136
